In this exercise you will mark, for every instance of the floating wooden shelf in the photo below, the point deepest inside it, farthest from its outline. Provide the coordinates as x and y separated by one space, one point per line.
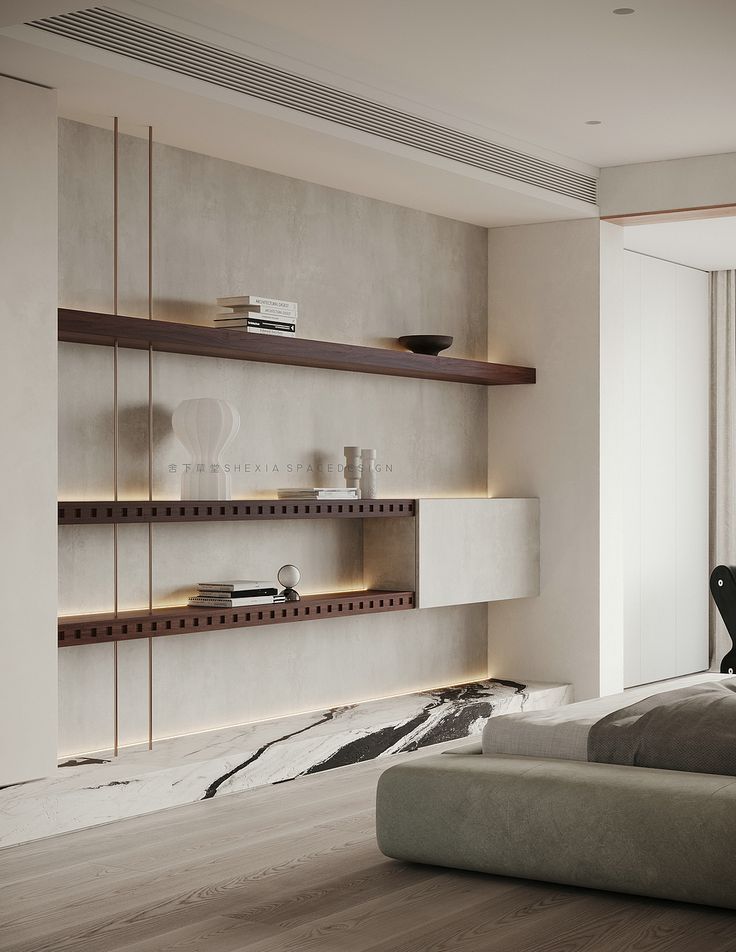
124 512
98 629
91 327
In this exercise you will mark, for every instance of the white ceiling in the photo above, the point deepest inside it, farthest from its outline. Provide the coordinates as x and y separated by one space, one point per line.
709 245
524 73
192 115
661 80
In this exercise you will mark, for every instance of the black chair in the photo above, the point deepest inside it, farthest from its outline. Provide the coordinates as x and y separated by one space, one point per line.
723 590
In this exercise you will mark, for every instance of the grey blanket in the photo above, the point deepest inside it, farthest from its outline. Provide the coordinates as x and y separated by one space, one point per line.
692 729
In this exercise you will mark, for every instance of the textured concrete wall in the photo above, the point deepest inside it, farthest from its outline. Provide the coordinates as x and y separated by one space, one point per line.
362 271
28 271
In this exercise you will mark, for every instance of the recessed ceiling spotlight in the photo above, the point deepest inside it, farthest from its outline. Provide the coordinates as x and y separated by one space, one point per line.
624 11
593 122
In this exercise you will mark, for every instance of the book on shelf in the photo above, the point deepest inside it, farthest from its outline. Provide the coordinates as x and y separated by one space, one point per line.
208 601
263 310
237 592
267 330
257 320
234 585
248 329
319 492
256 300
225 320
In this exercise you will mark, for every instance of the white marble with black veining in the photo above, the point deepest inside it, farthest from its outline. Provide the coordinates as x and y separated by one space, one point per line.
86 791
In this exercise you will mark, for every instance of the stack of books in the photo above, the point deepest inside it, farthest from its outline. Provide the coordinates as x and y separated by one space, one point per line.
259 315
235 593
319 492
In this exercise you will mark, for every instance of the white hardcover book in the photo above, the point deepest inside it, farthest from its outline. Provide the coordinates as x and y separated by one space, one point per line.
264 310
326 493
256 330
274 323
266 330
247 300
321 497
234 585
327 490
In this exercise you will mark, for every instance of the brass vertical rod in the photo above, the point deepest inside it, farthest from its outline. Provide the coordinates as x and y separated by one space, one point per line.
116 745
150 222
115 557
115 421
115 449
150 693
115 138
115 187
150 430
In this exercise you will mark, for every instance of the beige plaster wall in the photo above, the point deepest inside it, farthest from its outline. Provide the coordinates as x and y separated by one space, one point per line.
544 312
362 271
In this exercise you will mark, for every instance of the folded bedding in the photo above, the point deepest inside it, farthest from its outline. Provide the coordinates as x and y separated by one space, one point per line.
693 729
690 728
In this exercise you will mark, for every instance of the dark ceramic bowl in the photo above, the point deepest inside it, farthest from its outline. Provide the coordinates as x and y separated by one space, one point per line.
430 344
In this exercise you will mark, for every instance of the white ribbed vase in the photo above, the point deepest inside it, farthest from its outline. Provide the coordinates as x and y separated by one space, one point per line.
205 427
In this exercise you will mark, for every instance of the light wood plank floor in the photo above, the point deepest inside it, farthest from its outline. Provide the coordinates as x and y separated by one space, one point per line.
295 868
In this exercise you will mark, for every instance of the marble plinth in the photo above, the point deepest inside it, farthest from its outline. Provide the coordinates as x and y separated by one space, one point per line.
89 790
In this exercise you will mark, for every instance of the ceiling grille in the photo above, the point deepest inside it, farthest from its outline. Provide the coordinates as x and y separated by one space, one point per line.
109 30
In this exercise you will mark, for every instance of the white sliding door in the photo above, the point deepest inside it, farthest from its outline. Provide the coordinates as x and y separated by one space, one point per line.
665 457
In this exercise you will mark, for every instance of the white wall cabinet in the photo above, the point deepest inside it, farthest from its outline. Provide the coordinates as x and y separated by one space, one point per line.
665 471
476 550
456 551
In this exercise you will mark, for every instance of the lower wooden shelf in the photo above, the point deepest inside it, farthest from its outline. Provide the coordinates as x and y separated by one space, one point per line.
127 626
134 511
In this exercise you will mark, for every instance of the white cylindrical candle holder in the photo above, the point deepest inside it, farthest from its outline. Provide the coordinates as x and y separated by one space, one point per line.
368 474
352 467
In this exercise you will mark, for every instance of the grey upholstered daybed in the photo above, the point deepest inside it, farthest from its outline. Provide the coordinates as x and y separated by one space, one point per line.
538 810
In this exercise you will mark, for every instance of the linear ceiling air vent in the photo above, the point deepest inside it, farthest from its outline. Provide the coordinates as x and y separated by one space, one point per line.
109 30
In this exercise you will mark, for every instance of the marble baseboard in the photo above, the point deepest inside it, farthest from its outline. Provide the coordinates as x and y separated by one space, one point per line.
87 791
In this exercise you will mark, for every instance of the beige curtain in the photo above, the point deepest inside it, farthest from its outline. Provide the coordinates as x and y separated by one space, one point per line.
722 441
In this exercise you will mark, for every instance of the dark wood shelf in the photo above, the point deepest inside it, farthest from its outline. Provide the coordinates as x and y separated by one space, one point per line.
128 626
126 512
91 327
